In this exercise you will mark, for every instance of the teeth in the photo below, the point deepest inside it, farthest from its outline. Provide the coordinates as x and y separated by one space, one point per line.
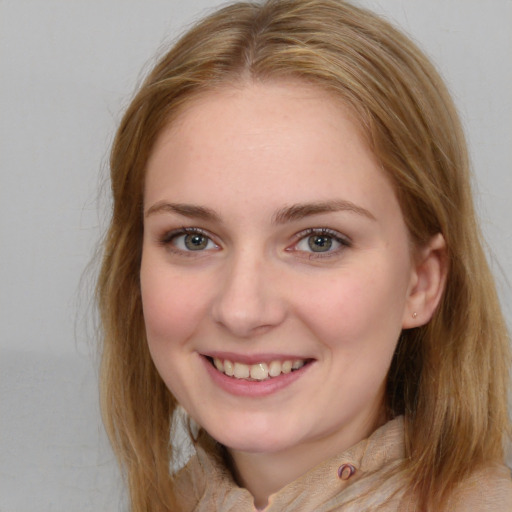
298 364
274 370
228 368
242 371
259 371
286 367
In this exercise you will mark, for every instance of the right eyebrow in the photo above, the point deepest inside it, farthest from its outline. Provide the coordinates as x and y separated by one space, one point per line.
186 210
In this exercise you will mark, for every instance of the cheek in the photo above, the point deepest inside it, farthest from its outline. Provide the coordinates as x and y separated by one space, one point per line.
172 305
358 310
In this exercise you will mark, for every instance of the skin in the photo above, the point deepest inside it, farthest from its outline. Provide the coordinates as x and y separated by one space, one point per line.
243 155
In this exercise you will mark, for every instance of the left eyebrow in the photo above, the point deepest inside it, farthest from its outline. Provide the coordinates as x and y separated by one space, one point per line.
299 211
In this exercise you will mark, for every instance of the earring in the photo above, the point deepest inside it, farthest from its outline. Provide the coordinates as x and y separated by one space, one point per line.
414 315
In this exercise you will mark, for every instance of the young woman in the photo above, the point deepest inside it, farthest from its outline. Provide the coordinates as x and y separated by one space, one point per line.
294 259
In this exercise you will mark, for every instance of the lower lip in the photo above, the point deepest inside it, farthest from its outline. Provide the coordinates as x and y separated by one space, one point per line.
253 388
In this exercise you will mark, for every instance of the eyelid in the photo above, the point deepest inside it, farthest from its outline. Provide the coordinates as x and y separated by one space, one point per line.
340 237
167 238
344 240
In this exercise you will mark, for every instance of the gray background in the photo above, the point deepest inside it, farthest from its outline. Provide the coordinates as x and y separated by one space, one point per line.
68 68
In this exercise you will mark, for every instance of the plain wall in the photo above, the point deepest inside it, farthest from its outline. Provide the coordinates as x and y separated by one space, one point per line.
67 70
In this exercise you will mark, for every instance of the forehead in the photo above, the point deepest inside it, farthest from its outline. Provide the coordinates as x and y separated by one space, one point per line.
253 112
235 144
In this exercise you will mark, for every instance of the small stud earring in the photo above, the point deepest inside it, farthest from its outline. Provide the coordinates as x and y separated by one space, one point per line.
414 315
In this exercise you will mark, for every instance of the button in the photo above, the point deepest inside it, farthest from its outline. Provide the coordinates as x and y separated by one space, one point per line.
345 471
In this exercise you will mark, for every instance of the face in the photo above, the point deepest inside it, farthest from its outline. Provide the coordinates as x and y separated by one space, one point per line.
276 268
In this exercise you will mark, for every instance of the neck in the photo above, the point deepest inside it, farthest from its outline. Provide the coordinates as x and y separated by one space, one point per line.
263 474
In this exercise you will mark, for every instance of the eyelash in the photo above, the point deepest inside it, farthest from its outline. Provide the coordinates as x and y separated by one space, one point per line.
167 239
344 241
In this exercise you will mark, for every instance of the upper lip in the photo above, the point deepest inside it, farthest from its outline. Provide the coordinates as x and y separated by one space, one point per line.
253 358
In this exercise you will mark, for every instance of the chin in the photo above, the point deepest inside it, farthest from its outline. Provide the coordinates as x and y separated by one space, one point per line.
251 440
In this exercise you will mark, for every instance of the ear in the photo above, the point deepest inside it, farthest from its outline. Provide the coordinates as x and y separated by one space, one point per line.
428 279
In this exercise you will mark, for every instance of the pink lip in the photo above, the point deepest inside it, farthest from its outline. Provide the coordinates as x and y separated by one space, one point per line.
255 389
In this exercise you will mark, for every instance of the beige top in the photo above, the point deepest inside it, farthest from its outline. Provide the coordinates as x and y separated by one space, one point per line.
206 485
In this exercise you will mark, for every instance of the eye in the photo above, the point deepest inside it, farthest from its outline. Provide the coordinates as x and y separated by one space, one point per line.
321 240
188 240
320 243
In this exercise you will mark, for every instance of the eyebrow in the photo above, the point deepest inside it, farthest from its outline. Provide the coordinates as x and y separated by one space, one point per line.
299 211
186 210
282 216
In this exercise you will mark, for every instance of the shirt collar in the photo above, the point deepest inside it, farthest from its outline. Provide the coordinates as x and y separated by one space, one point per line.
384 448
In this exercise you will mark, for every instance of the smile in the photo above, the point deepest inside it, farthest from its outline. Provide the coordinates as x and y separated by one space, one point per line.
258 371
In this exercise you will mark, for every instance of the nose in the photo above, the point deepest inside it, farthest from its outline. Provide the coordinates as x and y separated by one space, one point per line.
250 298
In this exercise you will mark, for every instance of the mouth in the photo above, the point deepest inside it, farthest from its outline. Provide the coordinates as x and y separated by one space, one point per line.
259 371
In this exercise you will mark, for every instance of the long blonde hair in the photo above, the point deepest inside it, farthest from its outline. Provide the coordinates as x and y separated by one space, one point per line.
449 378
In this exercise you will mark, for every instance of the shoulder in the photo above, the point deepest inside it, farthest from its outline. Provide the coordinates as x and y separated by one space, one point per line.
487 490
